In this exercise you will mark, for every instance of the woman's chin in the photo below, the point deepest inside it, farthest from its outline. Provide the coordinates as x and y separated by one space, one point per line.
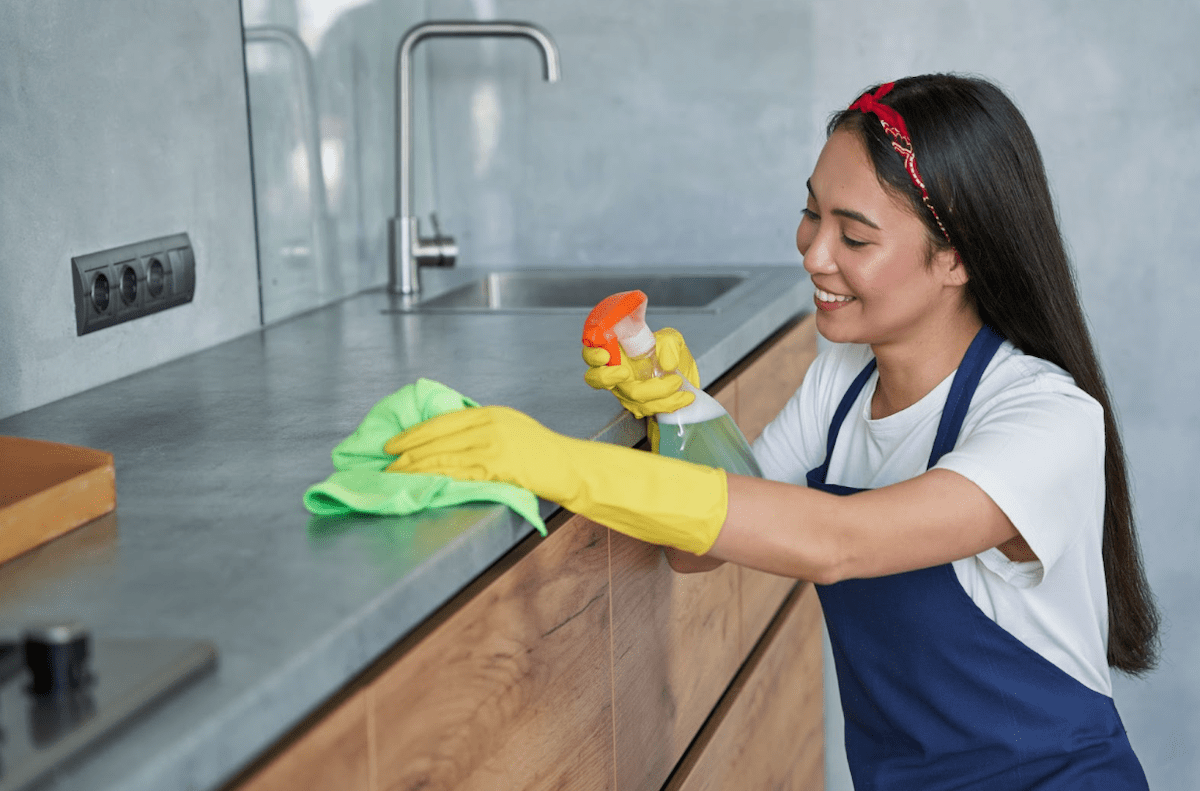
835 331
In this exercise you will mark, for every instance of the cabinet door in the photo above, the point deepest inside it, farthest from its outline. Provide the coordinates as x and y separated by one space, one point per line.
768 730
514 690
333 755
675 649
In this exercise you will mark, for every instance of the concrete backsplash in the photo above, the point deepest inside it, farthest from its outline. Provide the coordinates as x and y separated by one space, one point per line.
677 135
119 122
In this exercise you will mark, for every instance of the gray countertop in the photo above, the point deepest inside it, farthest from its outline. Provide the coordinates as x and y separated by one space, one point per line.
211 541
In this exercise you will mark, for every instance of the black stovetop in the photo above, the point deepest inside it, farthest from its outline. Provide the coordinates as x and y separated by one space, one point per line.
127 678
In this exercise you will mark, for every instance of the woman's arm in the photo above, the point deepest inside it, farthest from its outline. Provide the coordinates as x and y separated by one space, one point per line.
935 518
781 528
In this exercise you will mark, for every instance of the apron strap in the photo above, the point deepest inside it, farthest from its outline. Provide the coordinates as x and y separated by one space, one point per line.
817 475
983 347
966 378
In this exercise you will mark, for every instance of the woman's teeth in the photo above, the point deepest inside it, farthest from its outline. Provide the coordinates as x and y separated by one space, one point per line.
825 296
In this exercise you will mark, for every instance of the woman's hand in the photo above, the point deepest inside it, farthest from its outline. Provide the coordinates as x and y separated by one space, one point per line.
651 498
649 396
488 444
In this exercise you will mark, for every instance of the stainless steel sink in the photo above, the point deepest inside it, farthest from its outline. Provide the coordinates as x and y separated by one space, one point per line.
551 291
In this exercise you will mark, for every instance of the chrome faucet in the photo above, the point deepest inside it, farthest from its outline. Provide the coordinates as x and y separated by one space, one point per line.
407 249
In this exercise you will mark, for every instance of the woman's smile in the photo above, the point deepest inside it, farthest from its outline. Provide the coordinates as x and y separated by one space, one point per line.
827 300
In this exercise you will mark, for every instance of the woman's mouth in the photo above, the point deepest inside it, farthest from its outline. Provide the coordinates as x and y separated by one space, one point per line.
827 300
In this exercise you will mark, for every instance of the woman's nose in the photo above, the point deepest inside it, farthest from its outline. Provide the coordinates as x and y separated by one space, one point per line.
817 259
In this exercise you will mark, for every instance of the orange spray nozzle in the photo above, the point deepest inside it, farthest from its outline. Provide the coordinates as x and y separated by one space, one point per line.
599 330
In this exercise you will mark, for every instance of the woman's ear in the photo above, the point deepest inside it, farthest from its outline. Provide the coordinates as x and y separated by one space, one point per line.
951 264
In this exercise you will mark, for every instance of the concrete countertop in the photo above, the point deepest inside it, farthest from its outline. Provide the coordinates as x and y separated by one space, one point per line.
210 539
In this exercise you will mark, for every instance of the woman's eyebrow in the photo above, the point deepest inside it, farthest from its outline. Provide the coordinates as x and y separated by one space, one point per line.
849 214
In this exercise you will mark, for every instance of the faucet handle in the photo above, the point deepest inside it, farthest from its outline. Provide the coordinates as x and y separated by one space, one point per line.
437 250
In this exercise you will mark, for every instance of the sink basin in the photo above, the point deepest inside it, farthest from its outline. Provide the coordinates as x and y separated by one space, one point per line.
544 291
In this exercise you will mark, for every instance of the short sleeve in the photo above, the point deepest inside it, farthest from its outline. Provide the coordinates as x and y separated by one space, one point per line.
794 442
1038 453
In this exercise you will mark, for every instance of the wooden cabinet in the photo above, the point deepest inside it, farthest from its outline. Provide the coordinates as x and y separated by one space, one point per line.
583 661
509 686
335 752
512 690
678 640
767 731
675 649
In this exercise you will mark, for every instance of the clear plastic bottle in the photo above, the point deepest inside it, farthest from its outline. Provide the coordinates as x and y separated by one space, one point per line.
701 432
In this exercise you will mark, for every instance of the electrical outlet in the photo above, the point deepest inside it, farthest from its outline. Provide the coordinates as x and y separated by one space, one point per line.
125 283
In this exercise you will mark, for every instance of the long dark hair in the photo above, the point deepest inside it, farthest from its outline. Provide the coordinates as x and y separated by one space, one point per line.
987 182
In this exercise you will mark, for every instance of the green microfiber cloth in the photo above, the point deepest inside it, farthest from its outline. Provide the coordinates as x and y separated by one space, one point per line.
361 485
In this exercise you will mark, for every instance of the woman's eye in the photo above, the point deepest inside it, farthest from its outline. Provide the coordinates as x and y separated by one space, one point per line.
852 243
809 214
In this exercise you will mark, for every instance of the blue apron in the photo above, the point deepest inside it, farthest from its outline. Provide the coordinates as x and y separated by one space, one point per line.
937 695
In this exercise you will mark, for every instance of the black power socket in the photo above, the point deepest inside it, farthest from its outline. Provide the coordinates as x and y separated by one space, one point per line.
125 283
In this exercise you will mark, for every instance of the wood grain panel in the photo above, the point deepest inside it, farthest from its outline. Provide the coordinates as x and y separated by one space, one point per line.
768 730
333 755
770 379
675 649
760 595
515 689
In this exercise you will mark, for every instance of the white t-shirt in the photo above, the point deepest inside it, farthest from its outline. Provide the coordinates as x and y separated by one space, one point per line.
1032 440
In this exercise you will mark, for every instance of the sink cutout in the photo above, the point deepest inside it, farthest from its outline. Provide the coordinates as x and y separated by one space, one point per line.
529 291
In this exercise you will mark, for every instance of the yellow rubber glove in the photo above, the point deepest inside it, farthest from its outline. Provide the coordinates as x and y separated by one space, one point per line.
646 396
652 498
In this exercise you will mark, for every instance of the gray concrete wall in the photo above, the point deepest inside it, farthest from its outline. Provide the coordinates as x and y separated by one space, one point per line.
120 122
678 135
1112 92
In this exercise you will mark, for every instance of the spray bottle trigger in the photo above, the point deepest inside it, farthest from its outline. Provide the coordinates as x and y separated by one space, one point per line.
598 330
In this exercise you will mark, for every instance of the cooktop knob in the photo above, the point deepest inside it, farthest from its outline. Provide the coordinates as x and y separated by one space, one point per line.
56 655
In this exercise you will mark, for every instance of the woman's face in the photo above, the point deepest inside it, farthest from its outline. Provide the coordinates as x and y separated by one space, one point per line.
869 255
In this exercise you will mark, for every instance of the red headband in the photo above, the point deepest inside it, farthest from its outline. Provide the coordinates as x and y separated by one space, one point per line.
894 125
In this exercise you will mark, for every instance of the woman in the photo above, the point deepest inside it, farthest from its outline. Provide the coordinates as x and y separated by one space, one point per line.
977 593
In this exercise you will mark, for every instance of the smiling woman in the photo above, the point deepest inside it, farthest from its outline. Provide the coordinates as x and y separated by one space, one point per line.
877 275
960 328
949 471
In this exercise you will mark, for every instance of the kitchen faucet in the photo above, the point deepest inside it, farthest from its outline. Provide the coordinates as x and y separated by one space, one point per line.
407 250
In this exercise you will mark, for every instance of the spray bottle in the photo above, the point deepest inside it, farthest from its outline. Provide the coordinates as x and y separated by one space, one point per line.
701 432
